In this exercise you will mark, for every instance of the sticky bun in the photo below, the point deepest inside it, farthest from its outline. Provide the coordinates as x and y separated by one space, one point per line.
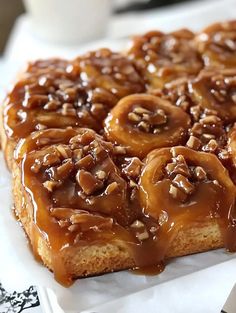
124 160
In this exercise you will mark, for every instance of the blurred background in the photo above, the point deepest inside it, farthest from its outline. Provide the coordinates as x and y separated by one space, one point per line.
32 29
10 10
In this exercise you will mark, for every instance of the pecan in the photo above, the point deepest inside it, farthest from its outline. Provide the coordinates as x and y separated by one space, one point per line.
40 127
64 151
141 110
98 109
101 175
140 230
63 171
68 109
144 126
86 162
111 188
183 184
177 194
51 159
132 184
133 168
196 129
133 117
73 228
119 150
50 185
182 169
223 154
194 143
211 146
35 168
88 183
219 95
233 97
200 173
195 111
210 119
52 105
208 136
43 141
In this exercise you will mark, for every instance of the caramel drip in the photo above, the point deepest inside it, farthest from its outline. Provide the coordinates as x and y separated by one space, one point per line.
100 159
147 216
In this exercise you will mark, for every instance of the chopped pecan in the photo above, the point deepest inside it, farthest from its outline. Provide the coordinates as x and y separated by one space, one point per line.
194 143
86 162
50 185
111 188
64 170
211 146
200 173
88 183
183 184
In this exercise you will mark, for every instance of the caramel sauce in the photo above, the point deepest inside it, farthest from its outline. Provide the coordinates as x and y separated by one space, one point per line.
121 129
164 57
146 218
216 43
101 160
57 93
215 90
149 270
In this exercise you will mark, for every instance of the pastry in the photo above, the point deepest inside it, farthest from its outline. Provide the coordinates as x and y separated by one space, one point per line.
122 161
59 93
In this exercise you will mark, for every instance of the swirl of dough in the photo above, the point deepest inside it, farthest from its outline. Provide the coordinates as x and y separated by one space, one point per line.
164 57
181 187
217 44
144 122
216 90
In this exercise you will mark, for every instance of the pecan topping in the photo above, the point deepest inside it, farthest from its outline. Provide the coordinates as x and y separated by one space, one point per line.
199 172
193 143
88 182
183 184
50 185
140 230
147 120
183 177
133 167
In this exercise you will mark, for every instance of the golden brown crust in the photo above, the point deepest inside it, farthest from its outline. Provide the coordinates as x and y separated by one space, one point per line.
97 259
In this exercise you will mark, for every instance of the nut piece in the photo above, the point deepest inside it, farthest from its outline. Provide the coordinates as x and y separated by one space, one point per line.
224 154
86 162
137 224
111 188
200 173
141 110
140 230
133 168
177 194
64 151
50 185
88 183
133 117
211 146
193 143
63 171
210 119
119 150
101 175
68 109
183 183
144 126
